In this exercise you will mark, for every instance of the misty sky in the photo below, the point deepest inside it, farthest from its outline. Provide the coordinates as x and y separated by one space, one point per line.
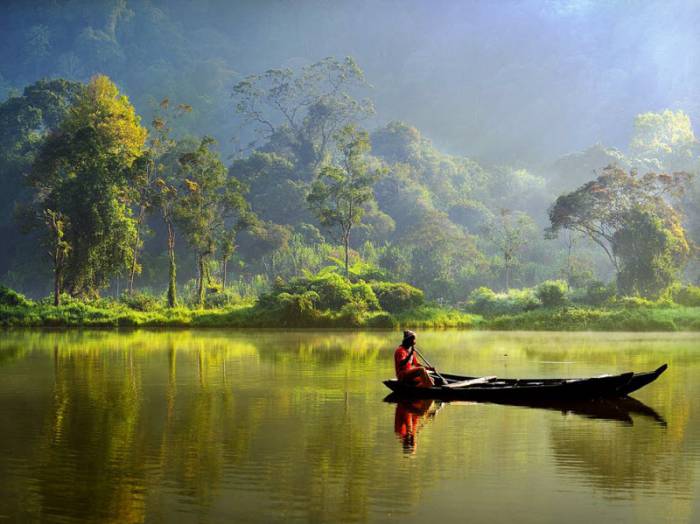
500 80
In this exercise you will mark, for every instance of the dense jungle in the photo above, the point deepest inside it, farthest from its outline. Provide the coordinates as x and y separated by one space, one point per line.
261 165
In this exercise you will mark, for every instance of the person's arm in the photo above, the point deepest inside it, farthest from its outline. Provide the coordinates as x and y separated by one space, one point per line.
417 364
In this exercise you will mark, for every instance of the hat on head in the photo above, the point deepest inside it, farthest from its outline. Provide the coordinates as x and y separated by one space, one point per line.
408 336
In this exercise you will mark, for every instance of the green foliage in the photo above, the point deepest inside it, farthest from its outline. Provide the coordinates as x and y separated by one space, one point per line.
484 301
333 292
9 297
629 217
140 301
363 295
222 298
509 231
599 293
341 192
382 320
687 295
651 253
396 297
587 319
634 302
211 209
313 104
433 316
666 138
552 293
83 174
297 309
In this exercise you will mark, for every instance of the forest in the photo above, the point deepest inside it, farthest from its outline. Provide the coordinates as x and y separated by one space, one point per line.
156 174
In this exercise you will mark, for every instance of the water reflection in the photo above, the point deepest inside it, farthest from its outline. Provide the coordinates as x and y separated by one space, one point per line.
619 410
271 426
409 417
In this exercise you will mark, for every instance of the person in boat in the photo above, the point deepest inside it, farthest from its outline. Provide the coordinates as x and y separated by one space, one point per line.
408 369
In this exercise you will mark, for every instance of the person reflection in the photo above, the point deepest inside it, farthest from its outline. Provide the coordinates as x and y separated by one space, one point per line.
409 417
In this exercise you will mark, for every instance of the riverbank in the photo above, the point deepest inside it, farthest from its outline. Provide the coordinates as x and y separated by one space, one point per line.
252 315
241 316
673 318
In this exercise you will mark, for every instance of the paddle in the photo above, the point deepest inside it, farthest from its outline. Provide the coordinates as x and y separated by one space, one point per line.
444 382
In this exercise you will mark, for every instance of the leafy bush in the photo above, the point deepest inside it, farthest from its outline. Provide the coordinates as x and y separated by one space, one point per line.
222 298
363 294
552 293
140 301
485 301
634 302
297 309
395 297
382 320
10 297
352 314
598 293
334 291
687 296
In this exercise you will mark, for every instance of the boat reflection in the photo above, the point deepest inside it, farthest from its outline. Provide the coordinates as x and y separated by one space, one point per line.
409 413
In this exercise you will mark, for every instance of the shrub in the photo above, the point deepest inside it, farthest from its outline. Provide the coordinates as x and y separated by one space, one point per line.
484 301
552 293
396 297
297 308
10 297
634 302
140 301
352 314
363 294
222 298
382 320
687 296
598 293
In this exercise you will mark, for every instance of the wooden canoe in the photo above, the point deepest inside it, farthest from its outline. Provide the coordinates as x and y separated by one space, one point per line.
513 390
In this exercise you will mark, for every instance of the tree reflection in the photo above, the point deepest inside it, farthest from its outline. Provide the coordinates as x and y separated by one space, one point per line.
149 425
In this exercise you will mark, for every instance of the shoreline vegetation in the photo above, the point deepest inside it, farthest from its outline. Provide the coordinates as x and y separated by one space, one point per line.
285 310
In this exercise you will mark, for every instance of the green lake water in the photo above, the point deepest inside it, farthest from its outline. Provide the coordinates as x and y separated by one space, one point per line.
271 426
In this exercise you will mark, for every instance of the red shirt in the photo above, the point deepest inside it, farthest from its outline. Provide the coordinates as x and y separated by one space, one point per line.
399 356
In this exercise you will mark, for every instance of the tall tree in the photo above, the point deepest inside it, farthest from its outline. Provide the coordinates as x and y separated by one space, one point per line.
25 122
211 204
146 194
342 190
58 249
303 110
605 207
651 252
83 172
508 231
665 140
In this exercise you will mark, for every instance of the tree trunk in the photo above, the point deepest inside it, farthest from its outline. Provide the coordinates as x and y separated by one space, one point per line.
346 245
200 285
223 274
172 284
57 286
506 264
137 245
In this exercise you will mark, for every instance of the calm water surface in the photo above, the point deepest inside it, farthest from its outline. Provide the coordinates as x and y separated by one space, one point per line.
226 426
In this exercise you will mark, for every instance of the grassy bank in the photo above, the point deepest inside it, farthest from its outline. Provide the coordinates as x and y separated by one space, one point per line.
599 319
251 315
240 316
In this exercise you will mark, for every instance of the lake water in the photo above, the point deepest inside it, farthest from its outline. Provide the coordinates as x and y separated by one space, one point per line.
271 426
